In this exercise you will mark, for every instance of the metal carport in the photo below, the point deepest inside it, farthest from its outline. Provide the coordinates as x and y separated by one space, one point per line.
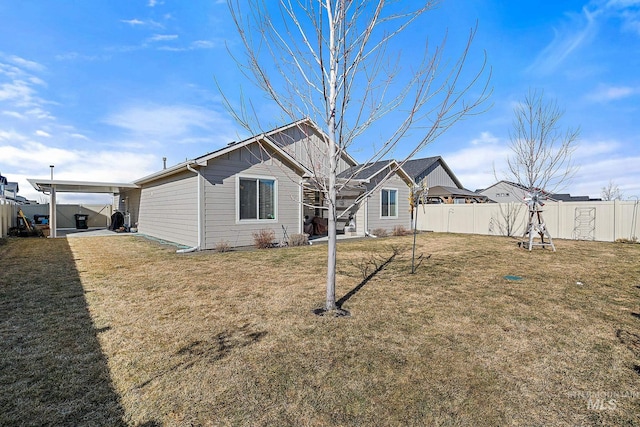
54 186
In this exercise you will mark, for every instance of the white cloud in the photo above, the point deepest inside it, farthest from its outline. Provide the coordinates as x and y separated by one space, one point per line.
11 136
627 11
22 158
33 155
132 22
39 113
623 3
485 138
195 45
612 93
598 162
42 133
203 44
168 121
24 63
18 91
73 56
586 150
162 37
577 33
37 81
475 163
14 114
595 174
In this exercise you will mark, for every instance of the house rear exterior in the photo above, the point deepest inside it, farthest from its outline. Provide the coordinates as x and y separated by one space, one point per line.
264 182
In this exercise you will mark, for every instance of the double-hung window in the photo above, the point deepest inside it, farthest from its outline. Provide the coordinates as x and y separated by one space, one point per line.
389 205
256 198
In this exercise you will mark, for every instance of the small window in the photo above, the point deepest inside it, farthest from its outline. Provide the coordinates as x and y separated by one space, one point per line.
257 199
389 203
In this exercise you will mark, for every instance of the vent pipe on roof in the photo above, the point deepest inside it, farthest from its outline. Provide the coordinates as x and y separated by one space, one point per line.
164 163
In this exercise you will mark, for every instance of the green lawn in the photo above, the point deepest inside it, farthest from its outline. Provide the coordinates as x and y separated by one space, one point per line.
123 331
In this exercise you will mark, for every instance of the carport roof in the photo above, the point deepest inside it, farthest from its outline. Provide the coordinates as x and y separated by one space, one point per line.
80 186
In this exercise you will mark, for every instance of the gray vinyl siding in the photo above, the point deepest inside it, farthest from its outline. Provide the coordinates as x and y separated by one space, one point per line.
220 204
437 175
308 148
374 219
169 209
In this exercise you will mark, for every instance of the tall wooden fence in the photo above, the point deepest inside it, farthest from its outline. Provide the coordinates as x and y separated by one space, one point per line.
601 221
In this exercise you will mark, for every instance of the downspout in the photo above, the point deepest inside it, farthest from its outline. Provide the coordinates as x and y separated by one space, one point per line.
196 248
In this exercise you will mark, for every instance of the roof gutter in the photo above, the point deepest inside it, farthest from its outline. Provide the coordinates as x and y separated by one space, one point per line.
199 179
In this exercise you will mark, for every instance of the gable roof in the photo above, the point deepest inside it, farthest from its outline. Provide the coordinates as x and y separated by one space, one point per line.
511 183
366 172
263 138
313 125
417 167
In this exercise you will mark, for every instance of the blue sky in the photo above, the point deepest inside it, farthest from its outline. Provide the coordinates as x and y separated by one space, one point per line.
104 89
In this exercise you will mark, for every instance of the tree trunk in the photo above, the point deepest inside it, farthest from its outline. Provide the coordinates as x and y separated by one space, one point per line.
333 153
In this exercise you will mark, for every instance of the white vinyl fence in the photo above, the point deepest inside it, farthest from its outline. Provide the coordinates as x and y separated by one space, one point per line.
602 221
7 216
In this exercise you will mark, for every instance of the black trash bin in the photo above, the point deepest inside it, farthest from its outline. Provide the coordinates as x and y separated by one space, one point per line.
81 221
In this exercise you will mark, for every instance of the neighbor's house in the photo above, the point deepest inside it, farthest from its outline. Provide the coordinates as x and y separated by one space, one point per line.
9 191
263 182
507 191
3 184
444 186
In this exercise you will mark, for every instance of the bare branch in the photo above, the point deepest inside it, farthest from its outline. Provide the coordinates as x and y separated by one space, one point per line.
334 62
542 152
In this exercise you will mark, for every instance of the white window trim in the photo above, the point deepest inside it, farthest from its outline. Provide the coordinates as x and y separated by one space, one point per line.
397 203
275 199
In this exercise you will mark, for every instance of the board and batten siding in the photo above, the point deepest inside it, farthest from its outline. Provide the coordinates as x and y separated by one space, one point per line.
169 209
305 145
439 176
374 208
436 175
220 197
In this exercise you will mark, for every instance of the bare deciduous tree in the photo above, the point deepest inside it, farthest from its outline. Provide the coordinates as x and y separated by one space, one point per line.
542 151
507 222
611 192
337 63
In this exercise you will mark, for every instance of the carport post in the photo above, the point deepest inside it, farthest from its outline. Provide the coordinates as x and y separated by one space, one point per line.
53 223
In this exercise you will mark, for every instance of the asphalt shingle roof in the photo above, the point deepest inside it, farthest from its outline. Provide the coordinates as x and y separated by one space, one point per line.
368 170
416 166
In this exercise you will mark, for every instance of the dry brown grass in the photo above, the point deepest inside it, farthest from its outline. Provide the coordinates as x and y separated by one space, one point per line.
229 338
